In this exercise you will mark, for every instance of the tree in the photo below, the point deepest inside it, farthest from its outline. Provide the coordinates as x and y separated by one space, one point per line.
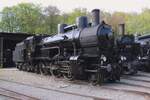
24 17
8 20
31 18
70 18
139 23
51 17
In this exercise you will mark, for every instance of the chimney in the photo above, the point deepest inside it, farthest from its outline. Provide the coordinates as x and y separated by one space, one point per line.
95 17
122 29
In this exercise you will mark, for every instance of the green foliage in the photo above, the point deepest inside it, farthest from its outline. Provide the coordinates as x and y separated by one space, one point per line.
135 23
70 18
139 23
24 17
51 19
31 18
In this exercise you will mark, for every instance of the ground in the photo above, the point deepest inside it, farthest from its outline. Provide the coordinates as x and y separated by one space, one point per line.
15 84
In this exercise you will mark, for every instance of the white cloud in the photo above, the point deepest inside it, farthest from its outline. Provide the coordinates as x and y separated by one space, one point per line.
68 5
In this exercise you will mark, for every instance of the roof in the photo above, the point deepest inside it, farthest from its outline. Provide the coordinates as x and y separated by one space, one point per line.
10 33
14 36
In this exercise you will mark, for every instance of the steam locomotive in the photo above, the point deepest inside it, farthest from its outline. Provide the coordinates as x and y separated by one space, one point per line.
85 51
82 51
144 57
129 51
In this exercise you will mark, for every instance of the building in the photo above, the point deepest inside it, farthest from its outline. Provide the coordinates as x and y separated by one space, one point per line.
8 42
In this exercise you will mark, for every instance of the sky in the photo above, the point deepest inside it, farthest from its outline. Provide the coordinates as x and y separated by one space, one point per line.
69 5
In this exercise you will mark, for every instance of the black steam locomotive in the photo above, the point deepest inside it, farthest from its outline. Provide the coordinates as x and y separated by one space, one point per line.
128 51
82 51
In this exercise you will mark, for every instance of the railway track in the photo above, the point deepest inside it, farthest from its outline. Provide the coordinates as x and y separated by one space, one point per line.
146 95
131 89
32 98
15 95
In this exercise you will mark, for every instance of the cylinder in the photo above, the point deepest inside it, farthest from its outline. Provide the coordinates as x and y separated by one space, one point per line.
122 29
95 17
82 22
60 28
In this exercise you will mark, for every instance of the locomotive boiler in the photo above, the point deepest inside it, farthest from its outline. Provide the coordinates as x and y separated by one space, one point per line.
81 51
